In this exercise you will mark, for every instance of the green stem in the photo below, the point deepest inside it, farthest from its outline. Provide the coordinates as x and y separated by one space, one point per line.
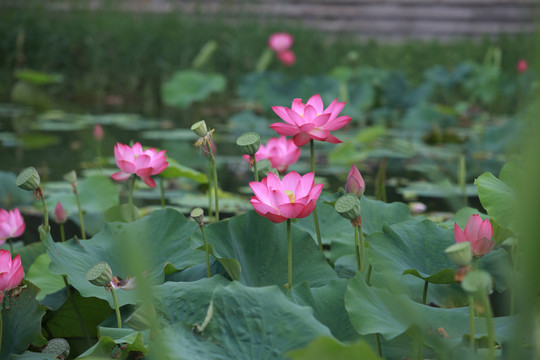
289 247
368 276
255 171
76 309
357 249
98 146
10 246
489 324
514 270
424 295
471 322
214 171
362 249
83 233
206 251
162 191
45 211
62 233
315 216
130 198
209 187
117 309
379 348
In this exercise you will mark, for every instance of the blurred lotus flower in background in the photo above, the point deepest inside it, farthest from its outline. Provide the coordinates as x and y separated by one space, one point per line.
280 41
293 197
478 233
286 57
60 215
11 272
522 66
311 120
11 224
133 160
417 207
279 151
98 132
355 182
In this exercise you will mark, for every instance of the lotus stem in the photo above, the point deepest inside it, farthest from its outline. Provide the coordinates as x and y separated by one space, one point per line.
424 295
214 172
62 233
379 348
368 276
162 191
209 187
10 246
116 308
45 211
255 170
289 262
315 216
471 322
83 232
130 198
514 269
206 251
489 324
77 312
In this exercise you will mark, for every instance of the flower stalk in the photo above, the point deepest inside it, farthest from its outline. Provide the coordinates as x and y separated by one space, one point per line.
116 308
215 179
198 215
315 216
130 196
79 207
289 255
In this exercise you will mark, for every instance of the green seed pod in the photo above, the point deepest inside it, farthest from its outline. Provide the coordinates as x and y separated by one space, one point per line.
200 128
141 318
197 214
249 143
57 347
28 179
477 282
100 274
348 206
460 253
71 177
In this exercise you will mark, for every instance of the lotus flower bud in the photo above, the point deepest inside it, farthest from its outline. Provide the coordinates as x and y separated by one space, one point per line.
355 183
60 215
460 253
522 66
249 143
198 214
348 206
58 348
199 128
141 318
98 132
100 274
28 179
71 177
477 282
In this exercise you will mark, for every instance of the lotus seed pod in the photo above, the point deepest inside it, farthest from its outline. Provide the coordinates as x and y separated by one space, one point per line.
200 128
460 253
477 282
348 206
249 143
100 274
141 318
71 177
57 347
28 179
197 214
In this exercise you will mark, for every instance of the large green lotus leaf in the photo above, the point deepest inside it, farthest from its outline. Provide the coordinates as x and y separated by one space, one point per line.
29 253
21 322
328 306
40 276
415 248
376 310
97 193
327 348
163 235
497 196
261 248
10 194
338 231
29 355
175 170
116 344
247 323
188 86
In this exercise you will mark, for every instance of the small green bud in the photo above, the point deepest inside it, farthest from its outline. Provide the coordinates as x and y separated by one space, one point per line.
71 177
348 206
200 128
249 143
460 253
141 318
57 347
477 282
28 179
197 214
100 274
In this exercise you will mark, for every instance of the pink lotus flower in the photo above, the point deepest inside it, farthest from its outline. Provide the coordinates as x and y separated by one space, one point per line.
355 182
98 132
293 197
286 57
310 121
522 66
478 233
11 272
279 151
60 215
11 224
280 41
133 160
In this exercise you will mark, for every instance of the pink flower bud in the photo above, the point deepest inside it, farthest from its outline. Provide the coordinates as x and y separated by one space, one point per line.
98 132
60 215
286 57
280 41
522 66
355 183
11 225
479 233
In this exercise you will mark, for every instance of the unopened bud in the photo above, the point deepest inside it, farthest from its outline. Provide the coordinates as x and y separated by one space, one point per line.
477 282
348 206
198 214
60 215
355 183
141 318
98 132
57 347
28 179
460 253
100 274
249 143
71 177
199 128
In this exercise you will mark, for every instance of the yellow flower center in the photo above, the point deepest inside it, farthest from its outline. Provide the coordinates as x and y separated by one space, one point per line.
291 196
